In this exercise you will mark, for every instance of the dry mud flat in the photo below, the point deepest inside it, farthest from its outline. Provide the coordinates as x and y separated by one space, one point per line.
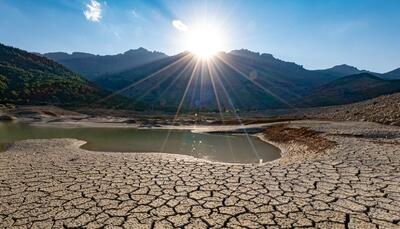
353 184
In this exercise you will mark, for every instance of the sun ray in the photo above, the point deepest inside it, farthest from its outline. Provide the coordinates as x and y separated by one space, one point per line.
226 80
186 89
171 75
210 70
196 88
273 76
177 77
256 84
215 90
238 118
181 103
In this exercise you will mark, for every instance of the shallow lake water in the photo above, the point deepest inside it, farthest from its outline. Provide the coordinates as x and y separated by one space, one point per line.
214 147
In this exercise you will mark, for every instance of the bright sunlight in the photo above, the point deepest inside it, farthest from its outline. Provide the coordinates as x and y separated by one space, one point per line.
204 41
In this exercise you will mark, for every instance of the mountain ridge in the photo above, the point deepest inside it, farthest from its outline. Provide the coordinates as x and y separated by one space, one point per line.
240 79
339 70
262 80
91 65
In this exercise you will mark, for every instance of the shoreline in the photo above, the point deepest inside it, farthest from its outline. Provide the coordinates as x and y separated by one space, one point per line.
295 149
353 185
199 129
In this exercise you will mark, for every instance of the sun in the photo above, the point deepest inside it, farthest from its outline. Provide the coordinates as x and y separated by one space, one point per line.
204 41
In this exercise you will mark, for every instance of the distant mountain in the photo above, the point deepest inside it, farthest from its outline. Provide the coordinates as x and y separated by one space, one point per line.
341 70
60 56
350 89
395 74
26 78
240 79
346 70
92 66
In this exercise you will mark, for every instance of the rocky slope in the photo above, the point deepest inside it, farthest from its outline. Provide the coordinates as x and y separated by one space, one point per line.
383 109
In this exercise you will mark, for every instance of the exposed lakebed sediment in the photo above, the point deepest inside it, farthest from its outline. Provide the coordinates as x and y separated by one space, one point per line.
356 183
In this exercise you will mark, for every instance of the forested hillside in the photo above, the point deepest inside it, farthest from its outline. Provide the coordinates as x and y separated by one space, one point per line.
26 78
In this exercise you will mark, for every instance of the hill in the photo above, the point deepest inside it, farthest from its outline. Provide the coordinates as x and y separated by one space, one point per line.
340 71
395 74
239 79
91 66
26 78
350 89
383 109
346 70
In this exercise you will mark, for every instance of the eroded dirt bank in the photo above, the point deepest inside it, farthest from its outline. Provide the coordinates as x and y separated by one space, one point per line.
355 183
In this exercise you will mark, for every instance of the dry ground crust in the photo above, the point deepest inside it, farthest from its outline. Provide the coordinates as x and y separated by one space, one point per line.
353 184
312 139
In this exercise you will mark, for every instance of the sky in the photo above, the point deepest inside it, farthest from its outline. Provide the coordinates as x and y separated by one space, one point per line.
314 33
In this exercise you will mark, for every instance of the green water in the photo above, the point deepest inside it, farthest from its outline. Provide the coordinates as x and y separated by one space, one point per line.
222 148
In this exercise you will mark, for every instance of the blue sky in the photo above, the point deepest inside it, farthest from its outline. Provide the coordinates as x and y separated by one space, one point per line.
315 33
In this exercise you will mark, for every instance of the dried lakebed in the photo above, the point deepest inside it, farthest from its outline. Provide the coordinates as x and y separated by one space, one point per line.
356 184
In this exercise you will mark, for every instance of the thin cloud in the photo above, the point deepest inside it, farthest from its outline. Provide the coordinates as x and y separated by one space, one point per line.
179 25
93 11
135 13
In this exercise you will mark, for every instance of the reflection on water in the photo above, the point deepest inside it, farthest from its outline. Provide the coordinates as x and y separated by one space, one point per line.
223 148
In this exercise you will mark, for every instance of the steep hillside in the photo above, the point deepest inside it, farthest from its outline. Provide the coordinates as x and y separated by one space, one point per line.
92 66
26 78
350 89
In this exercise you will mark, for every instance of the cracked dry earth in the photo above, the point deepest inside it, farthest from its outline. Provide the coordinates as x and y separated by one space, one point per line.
53 183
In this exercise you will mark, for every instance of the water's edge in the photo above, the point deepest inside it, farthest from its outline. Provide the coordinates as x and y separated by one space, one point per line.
228 130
